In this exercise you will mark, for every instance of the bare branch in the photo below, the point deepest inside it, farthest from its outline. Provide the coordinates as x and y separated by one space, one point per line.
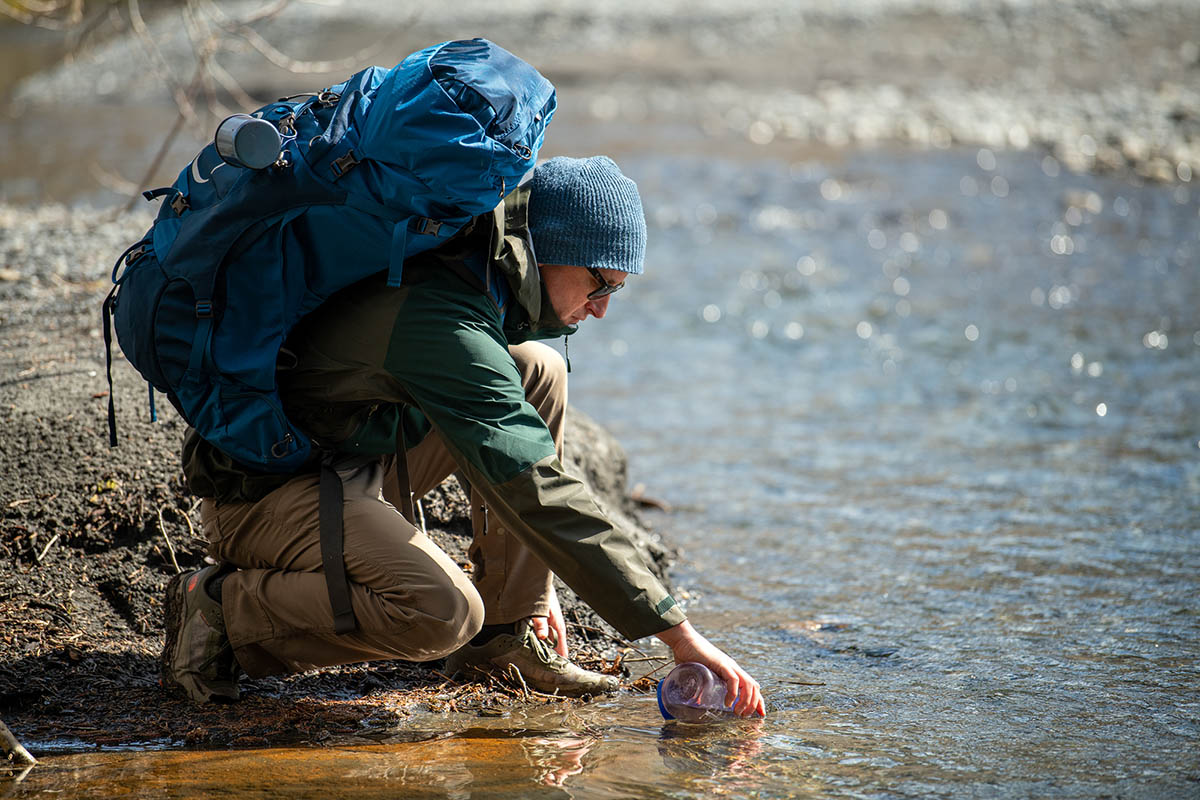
79 34
265 13
230 84
44 9
278 58
113 181
10 745
182 99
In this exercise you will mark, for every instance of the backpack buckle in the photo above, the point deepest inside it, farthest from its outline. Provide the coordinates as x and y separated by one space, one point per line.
280 448
134 254
204 309
327 98
343 164
429 227
179 203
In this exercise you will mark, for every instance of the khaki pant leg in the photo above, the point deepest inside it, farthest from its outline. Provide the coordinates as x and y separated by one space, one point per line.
410 600
513 582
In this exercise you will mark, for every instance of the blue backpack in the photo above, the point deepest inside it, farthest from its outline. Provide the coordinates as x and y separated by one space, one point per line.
372 171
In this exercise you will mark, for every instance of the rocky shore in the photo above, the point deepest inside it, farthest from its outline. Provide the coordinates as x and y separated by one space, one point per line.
89 535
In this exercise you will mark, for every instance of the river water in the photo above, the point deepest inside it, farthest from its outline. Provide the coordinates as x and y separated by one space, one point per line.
930 424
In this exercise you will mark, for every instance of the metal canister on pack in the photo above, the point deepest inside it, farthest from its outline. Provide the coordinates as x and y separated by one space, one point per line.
245 141
692 693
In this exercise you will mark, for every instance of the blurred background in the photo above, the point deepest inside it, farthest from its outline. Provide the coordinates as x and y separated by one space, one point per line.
914 360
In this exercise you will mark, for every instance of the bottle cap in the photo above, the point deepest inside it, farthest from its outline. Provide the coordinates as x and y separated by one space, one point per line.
246 141
661 706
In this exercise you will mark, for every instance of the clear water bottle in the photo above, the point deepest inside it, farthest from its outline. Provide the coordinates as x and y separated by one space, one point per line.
692 693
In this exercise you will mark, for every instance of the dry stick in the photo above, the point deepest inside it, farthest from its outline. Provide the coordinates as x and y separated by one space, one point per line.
152 50
657 669
12 748
514 670
602 632
277 57
188 520
170 547
182 98
38 558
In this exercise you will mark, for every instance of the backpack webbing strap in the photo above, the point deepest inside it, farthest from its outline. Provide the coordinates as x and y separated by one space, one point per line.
403 485
106 313
330 500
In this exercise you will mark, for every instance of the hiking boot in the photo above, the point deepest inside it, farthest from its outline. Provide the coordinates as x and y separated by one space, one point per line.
197 657
541 667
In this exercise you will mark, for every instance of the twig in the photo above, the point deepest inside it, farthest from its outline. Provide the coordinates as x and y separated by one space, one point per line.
13 748
38 558
188 520
170 547
143 33
513 669
602 632
275 56
658 669
114 183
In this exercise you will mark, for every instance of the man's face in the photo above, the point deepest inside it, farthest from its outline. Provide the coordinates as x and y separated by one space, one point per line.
568 288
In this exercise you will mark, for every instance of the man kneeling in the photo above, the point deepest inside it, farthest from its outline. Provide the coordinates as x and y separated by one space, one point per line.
406 385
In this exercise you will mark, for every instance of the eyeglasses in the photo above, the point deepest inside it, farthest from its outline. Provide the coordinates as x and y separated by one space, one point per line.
605 289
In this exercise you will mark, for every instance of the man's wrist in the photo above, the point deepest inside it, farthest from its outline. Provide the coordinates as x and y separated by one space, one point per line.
676 634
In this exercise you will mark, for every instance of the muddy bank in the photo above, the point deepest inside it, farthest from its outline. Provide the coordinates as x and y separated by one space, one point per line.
89 535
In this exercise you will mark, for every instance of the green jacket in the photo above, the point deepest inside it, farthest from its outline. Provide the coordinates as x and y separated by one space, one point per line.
433 353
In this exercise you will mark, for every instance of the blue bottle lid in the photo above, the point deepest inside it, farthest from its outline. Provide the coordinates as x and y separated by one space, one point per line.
661 707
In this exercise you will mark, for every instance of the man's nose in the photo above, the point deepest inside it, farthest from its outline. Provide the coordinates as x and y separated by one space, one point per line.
598 307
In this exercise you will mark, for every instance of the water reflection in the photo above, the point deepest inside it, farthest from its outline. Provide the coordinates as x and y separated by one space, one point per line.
720 757
474 762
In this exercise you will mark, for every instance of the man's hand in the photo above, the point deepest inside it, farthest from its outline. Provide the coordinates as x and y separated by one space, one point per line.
542 626
688 645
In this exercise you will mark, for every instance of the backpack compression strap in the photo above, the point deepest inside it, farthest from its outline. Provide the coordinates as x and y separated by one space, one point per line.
330 500
131 254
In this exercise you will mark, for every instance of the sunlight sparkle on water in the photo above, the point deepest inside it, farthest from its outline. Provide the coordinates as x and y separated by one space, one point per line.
1155 340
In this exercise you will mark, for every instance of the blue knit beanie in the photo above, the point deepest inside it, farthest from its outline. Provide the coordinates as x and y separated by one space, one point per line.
585 213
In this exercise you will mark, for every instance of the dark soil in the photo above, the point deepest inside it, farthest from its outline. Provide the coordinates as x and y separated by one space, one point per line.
90 535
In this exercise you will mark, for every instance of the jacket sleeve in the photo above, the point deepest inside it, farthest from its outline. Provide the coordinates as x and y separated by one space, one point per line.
463 379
